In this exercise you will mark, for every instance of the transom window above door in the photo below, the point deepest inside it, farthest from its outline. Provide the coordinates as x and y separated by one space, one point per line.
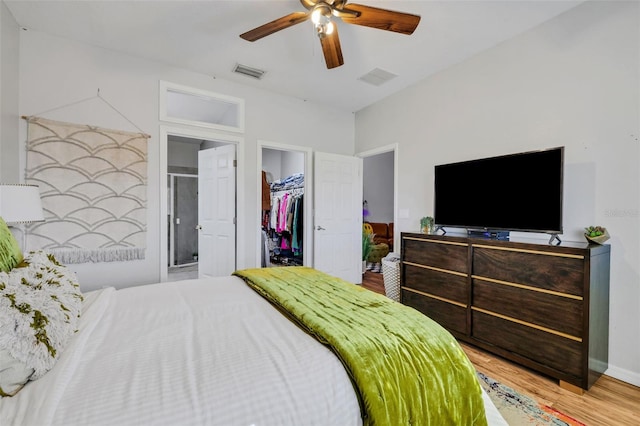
188 105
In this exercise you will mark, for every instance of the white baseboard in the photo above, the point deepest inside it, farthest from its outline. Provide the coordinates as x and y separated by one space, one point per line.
624 375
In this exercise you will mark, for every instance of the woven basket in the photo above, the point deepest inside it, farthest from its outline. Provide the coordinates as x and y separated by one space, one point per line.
391 276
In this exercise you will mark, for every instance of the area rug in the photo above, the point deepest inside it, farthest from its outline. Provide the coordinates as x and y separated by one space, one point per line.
518 409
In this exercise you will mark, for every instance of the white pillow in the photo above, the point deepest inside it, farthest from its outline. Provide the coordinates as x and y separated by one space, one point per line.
40 305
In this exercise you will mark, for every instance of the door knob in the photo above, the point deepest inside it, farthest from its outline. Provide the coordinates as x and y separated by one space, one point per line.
199 227
320 228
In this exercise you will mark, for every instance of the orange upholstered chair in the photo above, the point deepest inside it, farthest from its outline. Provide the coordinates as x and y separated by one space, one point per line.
382 233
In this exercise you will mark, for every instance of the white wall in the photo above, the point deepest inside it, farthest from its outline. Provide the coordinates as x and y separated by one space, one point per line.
55 72
182 154
281 164
573 82
292 163
9 70
377 174
272 163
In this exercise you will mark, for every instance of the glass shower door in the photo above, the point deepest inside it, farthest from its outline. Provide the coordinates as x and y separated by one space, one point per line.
185 206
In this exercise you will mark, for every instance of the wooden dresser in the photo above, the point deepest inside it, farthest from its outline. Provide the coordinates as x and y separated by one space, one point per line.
543 306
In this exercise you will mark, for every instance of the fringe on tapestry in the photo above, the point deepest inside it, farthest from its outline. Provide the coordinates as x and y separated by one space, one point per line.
109 255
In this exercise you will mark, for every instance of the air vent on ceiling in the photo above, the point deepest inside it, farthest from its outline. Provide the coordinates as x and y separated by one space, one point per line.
377 77
249 71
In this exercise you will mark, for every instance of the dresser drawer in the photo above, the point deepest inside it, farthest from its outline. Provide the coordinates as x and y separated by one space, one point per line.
453 286
548 349
437 253
451 316
555 272
559 313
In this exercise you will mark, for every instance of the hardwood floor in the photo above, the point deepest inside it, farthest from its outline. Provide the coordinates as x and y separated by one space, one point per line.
609 402
373 281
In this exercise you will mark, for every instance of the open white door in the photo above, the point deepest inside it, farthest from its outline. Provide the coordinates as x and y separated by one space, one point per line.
216 211
337 231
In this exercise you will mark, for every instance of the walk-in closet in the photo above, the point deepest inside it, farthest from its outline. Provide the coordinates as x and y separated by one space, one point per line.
282 207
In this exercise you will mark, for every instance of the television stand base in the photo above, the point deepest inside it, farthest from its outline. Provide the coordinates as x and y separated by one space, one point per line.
553 238
487 233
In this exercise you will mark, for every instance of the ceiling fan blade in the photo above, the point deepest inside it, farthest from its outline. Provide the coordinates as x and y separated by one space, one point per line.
331 49
381 19
276 25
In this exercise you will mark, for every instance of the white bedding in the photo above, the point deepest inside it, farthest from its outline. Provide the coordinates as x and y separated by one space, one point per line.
190 352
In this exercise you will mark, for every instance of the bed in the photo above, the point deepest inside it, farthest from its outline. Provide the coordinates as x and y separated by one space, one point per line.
226 351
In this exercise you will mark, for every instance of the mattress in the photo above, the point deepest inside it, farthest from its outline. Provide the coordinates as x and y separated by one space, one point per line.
206 351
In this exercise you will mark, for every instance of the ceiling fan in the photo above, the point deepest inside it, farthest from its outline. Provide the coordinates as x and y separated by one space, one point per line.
321 11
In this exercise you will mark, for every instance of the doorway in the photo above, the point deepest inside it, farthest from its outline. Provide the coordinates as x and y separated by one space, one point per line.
179 162
182 209
183 220
282 209
379 189
284 176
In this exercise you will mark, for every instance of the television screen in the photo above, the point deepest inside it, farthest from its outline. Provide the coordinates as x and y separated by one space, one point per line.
516 192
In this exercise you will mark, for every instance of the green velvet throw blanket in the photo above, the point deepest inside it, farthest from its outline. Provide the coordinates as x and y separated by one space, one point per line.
406 368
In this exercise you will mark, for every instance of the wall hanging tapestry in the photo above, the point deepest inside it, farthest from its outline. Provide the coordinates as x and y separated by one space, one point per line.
93 184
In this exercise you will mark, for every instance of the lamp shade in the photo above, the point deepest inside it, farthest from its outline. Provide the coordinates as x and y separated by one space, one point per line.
20 203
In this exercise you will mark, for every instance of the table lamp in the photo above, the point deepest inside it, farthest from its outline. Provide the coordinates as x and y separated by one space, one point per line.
20 204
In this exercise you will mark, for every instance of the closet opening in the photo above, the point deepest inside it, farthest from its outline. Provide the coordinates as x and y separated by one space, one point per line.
283 227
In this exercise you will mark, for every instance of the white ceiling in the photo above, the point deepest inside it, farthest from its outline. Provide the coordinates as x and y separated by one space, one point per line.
203 36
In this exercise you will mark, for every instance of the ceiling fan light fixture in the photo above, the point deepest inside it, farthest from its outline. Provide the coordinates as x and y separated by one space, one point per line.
321 14
321 18
325 29
316 16
329 28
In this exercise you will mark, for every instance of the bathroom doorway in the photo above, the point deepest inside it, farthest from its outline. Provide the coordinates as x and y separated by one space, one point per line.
181 213
183 219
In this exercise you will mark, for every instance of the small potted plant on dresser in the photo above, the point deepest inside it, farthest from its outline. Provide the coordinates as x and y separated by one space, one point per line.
596 234
427 225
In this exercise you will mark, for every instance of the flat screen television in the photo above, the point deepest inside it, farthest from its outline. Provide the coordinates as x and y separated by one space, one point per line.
515 192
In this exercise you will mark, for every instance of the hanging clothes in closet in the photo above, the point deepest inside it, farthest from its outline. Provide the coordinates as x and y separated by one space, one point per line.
285 225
